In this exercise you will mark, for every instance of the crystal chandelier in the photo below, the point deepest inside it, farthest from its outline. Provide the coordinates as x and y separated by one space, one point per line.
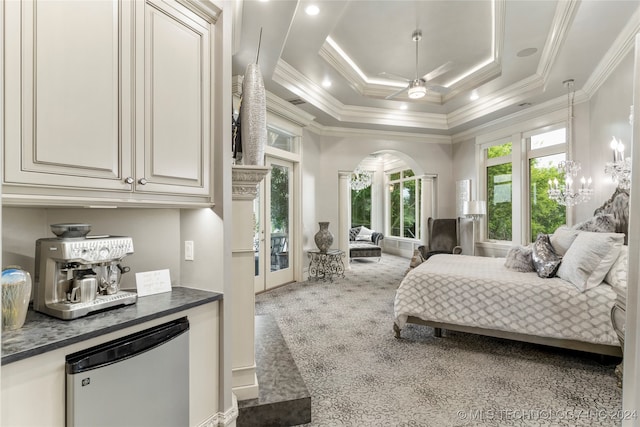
565 194
620 168
361 179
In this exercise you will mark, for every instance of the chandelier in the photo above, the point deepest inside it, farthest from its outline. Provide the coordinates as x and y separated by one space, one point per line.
620 167
565 194
361 179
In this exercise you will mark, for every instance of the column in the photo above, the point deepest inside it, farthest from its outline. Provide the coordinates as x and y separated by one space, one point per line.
245 180
344 212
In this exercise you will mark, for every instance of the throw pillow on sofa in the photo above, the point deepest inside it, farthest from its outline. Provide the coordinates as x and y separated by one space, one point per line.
590 258
364 235
545 259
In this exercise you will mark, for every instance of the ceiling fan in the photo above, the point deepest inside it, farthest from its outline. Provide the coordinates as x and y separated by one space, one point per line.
418 87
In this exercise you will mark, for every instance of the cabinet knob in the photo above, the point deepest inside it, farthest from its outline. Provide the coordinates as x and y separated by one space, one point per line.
128 180
142 181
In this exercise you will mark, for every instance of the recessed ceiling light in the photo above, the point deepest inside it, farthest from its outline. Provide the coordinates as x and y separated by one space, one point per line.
403 107
527 52
326 83
474 95
312 10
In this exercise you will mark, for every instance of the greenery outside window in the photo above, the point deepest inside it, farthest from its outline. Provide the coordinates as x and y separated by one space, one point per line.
539 153
361 207
499 170
545 152
404 204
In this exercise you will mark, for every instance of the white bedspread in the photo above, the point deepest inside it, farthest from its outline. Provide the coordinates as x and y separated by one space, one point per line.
482 292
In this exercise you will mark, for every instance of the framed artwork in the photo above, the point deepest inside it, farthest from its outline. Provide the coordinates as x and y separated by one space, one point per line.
463 193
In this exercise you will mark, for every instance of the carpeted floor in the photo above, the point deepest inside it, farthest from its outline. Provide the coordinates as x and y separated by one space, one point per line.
340 335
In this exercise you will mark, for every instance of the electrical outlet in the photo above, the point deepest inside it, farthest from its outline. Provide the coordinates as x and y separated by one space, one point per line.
188 250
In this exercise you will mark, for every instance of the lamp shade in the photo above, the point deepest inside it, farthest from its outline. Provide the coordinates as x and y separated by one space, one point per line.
474 207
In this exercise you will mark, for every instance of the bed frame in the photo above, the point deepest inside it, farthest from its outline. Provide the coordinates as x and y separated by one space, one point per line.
609 350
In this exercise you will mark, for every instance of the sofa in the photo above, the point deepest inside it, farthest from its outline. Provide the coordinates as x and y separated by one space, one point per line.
364 243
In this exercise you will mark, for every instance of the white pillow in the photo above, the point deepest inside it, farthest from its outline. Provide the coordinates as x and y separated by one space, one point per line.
364 234
589 258
562 238
617 275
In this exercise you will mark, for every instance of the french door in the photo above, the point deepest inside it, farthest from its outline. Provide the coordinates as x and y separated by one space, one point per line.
274 231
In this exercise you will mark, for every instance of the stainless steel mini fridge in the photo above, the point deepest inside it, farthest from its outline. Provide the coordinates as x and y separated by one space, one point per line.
138 380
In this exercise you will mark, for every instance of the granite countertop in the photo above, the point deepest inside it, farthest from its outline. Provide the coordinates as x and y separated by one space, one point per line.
42 333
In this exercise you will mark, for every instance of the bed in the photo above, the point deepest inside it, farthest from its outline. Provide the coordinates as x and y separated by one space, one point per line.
480 295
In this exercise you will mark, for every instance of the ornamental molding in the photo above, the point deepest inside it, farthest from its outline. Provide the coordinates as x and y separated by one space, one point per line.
245 180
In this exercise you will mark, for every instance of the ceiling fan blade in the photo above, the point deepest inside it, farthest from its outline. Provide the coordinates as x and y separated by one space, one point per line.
393 95
394 76
438 89
438 71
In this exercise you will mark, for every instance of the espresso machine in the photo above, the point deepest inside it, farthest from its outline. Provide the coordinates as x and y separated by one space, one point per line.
77 274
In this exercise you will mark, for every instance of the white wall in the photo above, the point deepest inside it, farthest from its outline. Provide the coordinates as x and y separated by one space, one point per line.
334 154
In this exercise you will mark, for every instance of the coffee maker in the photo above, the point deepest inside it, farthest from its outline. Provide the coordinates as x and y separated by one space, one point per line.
76 274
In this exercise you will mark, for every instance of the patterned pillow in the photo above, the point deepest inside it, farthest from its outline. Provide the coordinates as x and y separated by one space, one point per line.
353 233
545 259
617 275
604 223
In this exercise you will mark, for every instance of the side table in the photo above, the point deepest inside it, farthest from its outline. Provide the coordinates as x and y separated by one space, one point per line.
325 265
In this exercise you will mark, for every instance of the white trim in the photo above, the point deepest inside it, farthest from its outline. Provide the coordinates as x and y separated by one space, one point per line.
223 419
564 14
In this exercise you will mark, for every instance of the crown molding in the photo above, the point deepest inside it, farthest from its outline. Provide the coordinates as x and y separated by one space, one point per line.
205 9
621 47
378 134
287 110
294 81
565 12
503 98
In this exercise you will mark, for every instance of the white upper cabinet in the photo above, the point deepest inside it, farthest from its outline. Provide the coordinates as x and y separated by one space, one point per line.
106 100
172 152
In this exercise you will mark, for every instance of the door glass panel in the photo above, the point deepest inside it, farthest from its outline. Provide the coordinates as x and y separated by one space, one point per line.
279 217
280 140
257 227
409 209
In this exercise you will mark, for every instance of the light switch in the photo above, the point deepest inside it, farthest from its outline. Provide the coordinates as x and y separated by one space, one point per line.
188 250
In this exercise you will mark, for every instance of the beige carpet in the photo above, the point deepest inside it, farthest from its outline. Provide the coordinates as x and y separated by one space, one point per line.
340 335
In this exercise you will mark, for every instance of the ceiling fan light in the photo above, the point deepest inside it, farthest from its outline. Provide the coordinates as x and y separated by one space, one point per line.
416 92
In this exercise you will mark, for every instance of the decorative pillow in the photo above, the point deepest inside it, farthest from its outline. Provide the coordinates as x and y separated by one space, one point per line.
545 259
562 238
519 258
416 260
617 275
605 223
364 234
590 258
353 232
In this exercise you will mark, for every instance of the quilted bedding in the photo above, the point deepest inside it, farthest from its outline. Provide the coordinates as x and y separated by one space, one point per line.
482 292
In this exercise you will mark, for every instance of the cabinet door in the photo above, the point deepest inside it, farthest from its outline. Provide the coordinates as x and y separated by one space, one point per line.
68 78
173 140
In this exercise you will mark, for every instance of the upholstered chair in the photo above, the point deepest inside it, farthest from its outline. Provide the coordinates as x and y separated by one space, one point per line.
444 237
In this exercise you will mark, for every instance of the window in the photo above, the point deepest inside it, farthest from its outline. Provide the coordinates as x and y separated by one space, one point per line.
361 207
546 151
499 191
404 204
280 139
509 185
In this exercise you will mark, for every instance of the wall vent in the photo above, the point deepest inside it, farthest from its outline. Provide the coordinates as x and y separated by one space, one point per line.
297 101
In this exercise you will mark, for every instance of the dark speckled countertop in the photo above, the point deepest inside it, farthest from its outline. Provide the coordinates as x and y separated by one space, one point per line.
42 333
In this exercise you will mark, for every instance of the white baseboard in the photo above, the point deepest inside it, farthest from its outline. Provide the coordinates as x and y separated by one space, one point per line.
223 419
247 383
